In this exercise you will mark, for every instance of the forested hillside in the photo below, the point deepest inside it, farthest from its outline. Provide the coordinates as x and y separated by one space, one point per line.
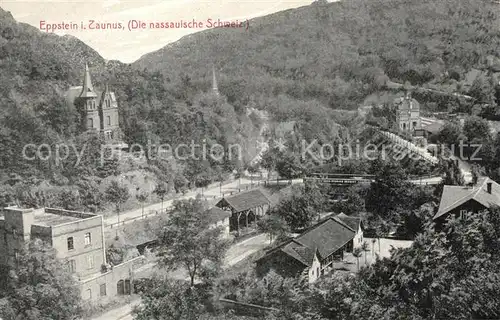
36 69
338 53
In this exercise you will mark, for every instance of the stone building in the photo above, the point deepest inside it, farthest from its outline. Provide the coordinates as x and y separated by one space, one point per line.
98 111
78 238
407 114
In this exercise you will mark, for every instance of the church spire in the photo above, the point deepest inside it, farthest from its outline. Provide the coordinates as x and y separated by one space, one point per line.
215 89
88 89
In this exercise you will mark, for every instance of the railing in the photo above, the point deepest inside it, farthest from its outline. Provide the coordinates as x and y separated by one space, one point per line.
153 213
410 147
338 181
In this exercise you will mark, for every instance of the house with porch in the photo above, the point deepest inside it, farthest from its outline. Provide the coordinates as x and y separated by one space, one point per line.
459 201
313 252
245 208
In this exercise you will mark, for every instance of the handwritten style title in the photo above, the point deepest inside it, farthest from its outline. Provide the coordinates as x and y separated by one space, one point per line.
141 25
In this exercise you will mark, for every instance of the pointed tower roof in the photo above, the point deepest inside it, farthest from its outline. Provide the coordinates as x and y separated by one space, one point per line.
88 89
215 89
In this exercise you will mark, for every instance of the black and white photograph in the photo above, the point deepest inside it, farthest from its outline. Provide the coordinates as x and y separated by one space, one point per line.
249 160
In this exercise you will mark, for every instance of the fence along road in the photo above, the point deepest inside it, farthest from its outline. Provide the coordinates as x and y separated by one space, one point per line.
212 192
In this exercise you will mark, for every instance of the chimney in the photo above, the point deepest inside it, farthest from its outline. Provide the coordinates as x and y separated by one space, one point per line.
489 186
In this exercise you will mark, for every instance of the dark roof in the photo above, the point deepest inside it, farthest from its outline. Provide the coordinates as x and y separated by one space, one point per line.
247 200
455 196
324 239
352 222
217 214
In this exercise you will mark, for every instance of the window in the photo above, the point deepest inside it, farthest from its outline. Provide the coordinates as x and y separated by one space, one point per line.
463 214
414 124
90 262
91 123
128 288
72 266
88 239
88 295
102 289
70 243
109 120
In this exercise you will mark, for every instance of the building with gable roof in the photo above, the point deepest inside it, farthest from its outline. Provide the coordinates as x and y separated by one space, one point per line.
245 207
461 200
313 252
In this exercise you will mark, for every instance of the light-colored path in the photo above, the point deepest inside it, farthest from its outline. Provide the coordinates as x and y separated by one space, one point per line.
369 257
242 250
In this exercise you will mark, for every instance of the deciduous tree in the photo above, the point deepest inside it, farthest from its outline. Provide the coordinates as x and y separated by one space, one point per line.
188 241
39 287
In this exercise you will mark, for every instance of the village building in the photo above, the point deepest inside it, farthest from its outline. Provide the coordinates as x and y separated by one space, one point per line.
459 201
407 114
315 251
245 208
78 238
98 111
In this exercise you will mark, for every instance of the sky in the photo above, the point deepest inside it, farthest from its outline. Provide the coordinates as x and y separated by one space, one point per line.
129 45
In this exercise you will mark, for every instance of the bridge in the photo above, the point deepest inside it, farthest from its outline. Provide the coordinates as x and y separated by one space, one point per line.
339 179
346 180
